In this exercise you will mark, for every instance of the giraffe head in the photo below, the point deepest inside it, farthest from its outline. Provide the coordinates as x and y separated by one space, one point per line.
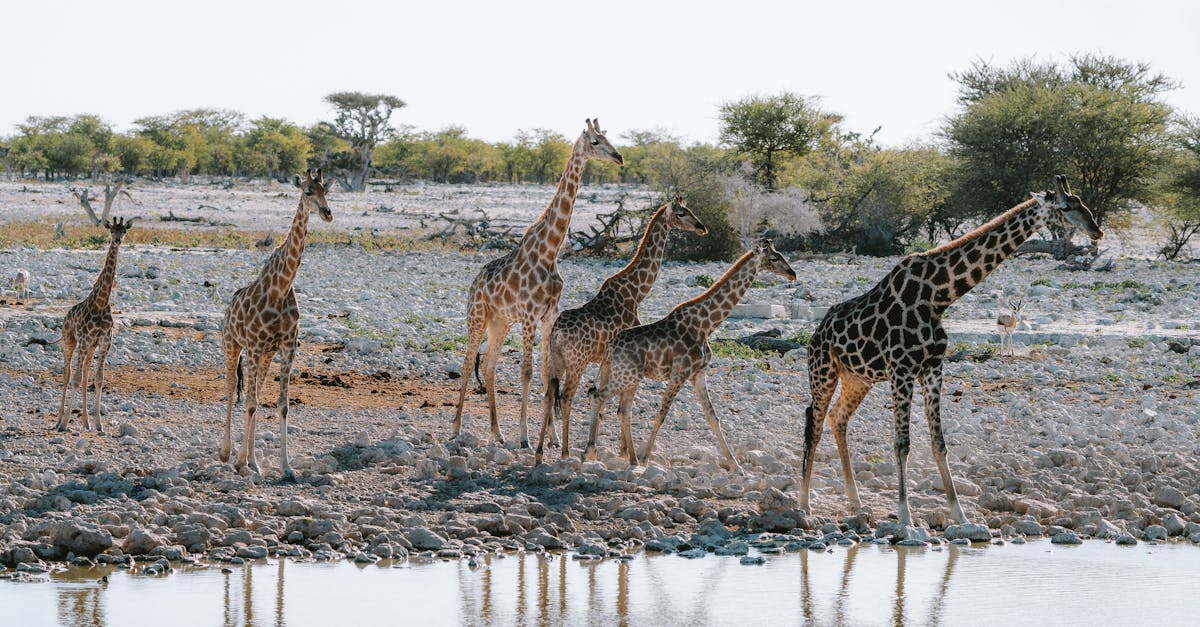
596 146
117 228
771 260
1068 209
682 218
314 189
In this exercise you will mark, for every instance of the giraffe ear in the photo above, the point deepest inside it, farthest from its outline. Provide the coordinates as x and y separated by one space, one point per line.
296 181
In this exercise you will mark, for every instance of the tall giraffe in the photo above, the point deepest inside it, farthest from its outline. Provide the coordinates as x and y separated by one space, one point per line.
88 326
893 332
675 349
262 319
580 336
523 286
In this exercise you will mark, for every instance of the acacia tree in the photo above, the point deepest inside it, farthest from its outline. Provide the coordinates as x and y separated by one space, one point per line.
766 128
1099 120
1178 202
364 121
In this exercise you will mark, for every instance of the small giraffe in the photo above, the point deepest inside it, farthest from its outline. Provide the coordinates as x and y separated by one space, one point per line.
524 285
580 336
88 326
894 333
1006 324
20 284
675 349
262 319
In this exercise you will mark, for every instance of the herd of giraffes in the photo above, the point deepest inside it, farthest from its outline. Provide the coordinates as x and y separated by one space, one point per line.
891 333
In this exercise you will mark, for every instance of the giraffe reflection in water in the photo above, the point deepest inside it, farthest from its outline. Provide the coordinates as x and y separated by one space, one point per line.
846 586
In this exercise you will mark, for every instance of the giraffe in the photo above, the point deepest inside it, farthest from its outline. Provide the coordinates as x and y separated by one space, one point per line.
893 332
524 285
262 320
580 336
88 326
675 349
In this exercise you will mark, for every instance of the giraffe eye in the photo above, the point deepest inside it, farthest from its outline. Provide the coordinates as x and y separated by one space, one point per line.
595 142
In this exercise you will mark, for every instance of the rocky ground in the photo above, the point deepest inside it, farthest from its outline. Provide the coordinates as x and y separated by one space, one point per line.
1091 430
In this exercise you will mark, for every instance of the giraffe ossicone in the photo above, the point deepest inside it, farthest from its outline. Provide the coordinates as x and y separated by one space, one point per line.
523 286
262 319
893 332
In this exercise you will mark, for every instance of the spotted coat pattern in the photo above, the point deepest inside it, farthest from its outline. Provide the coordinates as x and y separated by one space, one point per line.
262 320
675 349
88 327
523 287
580 336
894 333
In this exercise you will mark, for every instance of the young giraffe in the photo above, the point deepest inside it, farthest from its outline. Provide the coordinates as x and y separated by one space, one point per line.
894 333
261 319
524 285
580 336
88 326
675 349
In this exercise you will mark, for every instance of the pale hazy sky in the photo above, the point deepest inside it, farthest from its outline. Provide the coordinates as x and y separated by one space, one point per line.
495 67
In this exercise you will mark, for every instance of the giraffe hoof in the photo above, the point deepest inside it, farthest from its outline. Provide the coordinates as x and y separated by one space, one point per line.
525 444
288 476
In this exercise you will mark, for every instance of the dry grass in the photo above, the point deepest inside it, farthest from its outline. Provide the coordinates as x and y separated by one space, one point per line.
81 235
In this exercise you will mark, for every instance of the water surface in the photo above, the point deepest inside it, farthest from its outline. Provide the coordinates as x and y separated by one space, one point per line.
1094 583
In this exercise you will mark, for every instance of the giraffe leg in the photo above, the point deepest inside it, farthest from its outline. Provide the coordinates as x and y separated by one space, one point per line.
624 409
601 397
85 364
256 367
547 330
497 331
664 408
822 382
233 373
101 356
476 323
528 331
565 398
700 383
285 374
549 399
854 390
931 389
902 391
68 346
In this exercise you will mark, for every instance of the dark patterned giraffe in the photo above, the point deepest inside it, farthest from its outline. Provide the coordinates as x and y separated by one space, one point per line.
675 349
893 332
88 327
580 336
523 286
262 319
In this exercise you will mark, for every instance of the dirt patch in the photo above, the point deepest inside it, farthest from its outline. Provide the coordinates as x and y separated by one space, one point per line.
319 387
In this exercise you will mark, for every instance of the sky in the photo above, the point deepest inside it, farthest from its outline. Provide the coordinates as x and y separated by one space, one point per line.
497 66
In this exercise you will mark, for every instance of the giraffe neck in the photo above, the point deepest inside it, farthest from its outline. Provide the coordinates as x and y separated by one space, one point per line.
545 237
633 282
707 311
280 269
961 264
102 288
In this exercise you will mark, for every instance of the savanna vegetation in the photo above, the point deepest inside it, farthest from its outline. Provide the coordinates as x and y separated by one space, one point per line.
783 164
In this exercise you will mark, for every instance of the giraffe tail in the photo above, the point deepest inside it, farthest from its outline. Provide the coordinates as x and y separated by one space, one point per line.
240 378
482 389
555 393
